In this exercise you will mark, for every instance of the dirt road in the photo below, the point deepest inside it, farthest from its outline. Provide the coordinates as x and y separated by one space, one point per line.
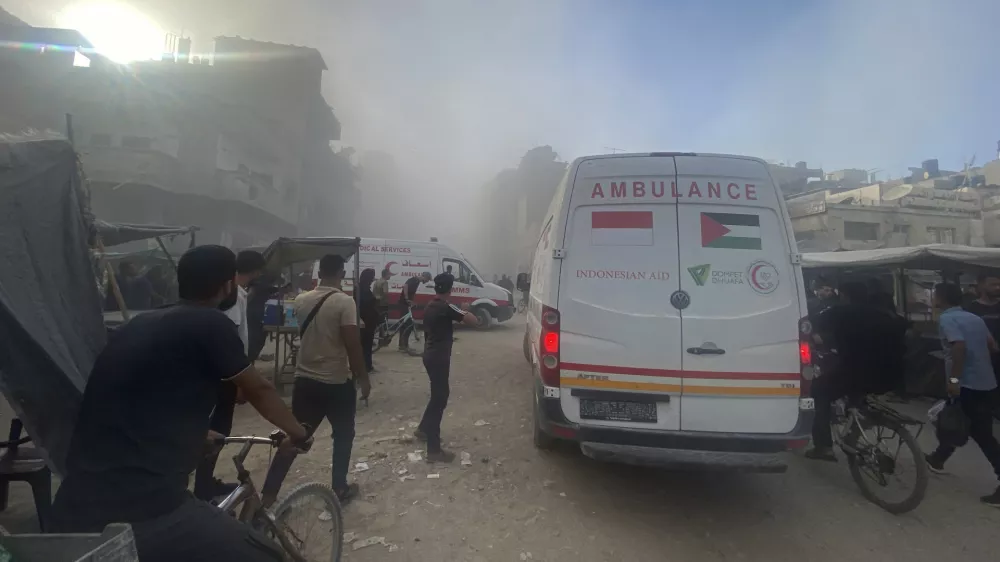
516 503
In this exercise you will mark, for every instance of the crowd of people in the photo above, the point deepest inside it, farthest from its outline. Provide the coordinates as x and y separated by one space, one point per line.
861 347
165 386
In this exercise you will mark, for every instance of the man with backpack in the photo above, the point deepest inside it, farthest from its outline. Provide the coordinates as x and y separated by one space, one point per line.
331 366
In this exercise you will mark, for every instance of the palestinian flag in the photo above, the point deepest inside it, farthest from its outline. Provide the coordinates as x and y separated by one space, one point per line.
730 230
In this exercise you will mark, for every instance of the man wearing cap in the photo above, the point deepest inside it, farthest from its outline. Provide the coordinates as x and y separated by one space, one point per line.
439 319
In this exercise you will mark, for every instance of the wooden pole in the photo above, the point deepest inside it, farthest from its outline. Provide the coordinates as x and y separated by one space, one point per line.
169 257
113 281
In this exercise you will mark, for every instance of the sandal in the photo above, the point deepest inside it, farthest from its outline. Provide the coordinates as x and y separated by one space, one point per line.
345 495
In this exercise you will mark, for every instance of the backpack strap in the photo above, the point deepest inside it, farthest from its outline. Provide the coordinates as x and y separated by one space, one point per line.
312 313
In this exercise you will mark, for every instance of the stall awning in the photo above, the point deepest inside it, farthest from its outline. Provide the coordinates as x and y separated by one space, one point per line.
113 234
928 256
287 251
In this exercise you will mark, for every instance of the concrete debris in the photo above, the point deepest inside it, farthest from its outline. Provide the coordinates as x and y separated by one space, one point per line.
526 556
481 423
350 536
361 467
402 471
466 459
407 477
326 516
412 425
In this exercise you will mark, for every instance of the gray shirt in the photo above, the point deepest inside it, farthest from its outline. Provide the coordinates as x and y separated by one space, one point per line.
957 325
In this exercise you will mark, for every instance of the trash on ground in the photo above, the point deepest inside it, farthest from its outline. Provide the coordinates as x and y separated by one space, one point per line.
466 459
407 477
358 545
481 423
402 471
361 467
350 536
412 424
526 556
433 476
325 516
414 457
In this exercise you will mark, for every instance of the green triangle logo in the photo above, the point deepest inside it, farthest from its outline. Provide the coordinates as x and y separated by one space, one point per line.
700 273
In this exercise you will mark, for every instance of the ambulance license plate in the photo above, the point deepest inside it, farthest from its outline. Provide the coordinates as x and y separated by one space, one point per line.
604 410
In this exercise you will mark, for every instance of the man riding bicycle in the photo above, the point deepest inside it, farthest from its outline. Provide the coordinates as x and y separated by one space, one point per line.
865 347
406 302
143 424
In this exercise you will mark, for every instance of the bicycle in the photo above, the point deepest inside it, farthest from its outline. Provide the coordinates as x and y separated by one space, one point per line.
388 330
863 427
276 522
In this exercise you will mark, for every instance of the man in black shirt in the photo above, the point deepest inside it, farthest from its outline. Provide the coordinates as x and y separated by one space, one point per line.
439 331
143 424
871 346
406 300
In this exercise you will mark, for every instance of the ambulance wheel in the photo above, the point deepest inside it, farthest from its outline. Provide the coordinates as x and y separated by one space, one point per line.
543 441
485 318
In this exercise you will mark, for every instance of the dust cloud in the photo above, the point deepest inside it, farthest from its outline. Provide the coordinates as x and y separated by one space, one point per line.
457 90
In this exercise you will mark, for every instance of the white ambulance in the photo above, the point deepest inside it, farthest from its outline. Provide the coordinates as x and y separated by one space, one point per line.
410 258
666 314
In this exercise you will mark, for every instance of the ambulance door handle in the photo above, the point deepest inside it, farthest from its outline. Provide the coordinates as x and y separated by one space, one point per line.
706 349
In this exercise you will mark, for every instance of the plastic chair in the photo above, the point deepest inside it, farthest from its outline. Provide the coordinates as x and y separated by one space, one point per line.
25 464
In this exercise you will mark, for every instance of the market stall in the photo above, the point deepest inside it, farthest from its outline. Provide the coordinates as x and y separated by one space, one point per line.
281 256
911 272
109 235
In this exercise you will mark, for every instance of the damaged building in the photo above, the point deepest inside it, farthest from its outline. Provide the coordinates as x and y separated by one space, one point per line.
236 143
928 207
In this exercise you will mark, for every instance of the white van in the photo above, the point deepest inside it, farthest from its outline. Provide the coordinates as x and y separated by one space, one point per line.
410 258
665 314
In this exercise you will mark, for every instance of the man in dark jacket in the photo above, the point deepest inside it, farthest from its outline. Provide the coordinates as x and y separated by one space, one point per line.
870 344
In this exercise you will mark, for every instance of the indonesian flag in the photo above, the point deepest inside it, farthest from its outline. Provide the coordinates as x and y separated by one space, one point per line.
621 228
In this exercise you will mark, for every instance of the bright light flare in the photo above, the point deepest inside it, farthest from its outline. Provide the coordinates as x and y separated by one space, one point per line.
117 31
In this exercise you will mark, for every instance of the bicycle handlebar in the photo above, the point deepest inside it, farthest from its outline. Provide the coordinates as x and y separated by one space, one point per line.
252 439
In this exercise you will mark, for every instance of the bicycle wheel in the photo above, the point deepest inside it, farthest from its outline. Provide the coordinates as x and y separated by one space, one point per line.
308 508
876 465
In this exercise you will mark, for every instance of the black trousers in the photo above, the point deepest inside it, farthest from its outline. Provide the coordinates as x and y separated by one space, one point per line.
368 344
438 369
312 401
194 532
825 390
221 421
978 406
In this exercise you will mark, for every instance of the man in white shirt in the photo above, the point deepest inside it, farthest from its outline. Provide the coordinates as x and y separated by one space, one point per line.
249 266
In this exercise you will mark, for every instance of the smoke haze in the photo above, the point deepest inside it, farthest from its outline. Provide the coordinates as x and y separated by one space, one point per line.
457 90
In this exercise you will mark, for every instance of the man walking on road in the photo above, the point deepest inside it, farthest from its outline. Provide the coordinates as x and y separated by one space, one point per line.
967 345
381 291
330 363
439 319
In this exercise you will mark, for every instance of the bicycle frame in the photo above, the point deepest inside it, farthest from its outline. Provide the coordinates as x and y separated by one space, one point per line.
254 511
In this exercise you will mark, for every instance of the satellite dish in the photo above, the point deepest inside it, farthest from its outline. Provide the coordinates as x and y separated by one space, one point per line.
897 192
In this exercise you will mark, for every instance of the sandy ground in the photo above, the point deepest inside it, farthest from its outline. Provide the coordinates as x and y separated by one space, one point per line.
516 503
